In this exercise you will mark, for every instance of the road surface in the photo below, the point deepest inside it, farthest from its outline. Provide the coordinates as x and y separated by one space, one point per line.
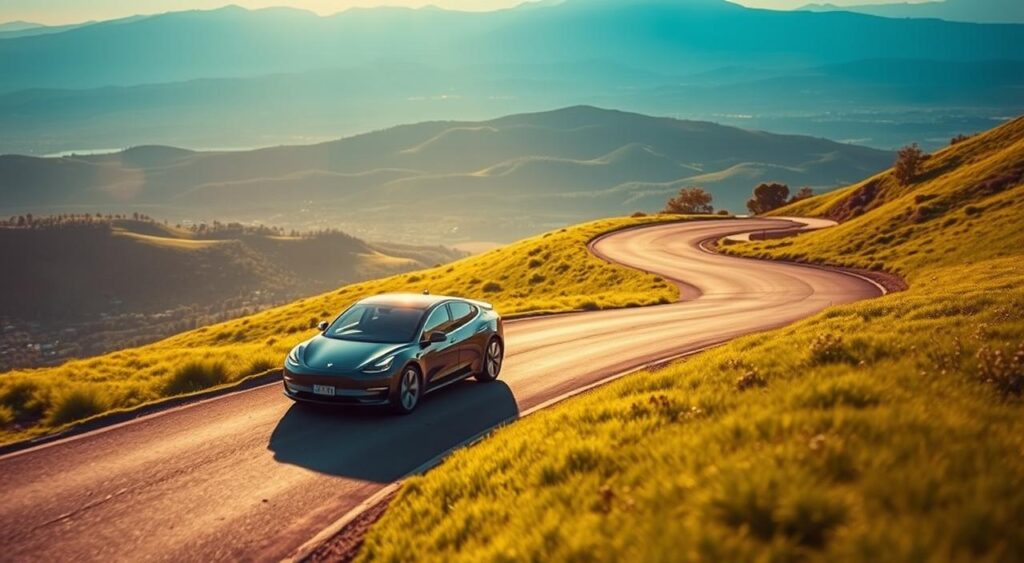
250 476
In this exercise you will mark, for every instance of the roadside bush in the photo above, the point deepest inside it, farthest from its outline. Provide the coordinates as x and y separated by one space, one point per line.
750 380
491 287
261 364
1003 369
6 416
20 396
828 349
196 376
537 279
75 404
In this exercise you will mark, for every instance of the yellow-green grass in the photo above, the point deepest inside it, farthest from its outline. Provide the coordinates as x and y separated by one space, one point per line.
888 429
548 273
171 242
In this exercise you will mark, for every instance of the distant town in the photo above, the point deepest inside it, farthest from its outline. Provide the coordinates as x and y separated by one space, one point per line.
27 344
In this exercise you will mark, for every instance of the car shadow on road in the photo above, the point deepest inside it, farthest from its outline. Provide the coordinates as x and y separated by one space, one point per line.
371 444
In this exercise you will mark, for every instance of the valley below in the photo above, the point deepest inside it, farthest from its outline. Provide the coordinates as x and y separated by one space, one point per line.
89 284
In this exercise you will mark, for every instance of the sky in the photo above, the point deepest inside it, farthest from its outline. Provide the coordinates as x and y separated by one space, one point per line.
56 12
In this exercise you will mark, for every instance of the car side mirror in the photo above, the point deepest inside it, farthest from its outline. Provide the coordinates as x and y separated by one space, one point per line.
322 325
435 337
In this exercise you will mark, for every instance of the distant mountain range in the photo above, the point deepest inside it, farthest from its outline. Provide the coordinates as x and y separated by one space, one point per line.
11 30
979 11
445 181
666 36
239 78
321 105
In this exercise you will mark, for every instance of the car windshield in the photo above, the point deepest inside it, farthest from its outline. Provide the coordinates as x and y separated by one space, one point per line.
376 323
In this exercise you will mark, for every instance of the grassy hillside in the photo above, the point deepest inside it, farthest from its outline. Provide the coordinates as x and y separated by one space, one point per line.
556 167
885 430
79 269
552 272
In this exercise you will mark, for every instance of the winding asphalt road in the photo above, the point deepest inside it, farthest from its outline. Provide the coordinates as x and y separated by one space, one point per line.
250 476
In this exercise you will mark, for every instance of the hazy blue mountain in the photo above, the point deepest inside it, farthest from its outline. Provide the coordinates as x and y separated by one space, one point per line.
11 30
665 36
19 26
498 179
980 11
868 100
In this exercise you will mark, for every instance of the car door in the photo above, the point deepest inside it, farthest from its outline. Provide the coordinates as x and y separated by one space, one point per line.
470 342
440 359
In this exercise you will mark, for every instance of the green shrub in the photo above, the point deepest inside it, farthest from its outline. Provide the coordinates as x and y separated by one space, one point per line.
491 287
261 364
76 403
1003 369
828 349
20 395
196 376
6 415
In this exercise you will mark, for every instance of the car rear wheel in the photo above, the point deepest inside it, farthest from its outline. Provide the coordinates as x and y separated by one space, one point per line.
409 392
494 356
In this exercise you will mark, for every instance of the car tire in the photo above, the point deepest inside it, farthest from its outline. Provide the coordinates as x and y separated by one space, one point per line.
409 391
494 357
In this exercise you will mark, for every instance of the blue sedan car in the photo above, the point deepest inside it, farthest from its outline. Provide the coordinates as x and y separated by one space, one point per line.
393 349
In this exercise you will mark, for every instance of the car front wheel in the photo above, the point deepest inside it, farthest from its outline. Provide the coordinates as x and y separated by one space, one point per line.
409 391
494 355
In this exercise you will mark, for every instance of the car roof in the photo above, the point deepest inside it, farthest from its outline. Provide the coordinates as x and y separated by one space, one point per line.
413 300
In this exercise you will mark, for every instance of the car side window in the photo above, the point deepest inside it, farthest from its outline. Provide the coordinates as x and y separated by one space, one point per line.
462 313
439 320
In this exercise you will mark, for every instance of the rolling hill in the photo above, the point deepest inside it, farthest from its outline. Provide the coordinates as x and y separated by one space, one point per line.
490 180
118 282
80 269
979 11
887 429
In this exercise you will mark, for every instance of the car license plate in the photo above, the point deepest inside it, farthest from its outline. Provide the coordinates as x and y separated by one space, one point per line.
326 390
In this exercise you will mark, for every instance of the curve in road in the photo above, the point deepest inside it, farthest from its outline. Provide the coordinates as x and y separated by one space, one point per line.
252 476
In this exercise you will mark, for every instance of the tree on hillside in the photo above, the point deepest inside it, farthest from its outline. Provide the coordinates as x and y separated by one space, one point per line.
691 200
803 194
908 164
768 197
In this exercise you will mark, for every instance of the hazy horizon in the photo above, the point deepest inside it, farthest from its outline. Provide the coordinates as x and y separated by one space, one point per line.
64 12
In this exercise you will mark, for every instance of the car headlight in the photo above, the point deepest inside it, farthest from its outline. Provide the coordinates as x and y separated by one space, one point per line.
380 366
293 356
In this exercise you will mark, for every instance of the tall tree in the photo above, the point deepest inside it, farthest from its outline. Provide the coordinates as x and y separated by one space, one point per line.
908 164
804 193
691 200
768 197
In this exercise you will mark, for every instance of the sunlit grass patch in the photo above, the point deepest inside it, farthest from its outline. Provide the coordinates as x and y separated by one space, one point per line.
195 376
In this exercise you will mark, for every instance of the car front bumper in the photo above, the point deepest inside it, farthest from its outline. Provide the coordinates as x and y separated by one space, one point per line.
348 389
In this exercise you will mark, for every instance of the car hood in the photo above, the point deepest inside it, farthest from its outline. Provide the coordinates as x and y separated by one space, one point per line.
329 354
